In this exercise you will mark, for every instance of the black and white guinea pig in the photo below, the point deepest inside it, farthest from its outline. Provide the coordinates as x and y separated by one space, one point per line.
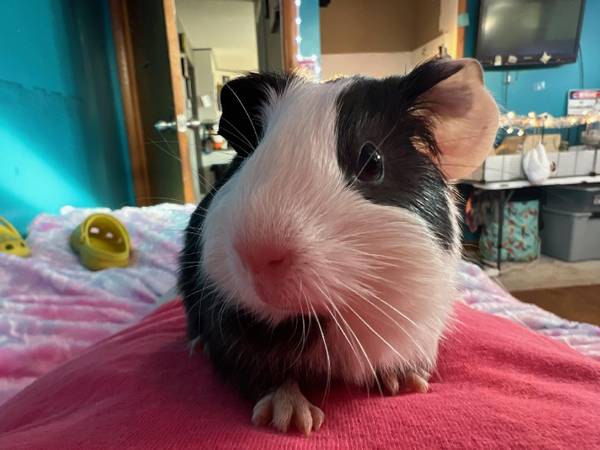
329 249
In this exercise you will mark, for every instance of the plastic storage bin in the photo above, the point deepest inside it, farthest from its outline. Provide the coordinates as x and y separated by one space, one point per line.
577 198
570 236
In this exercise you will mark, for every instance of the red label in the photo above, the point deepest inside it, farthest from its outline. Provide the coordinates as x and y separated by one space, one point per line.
585 94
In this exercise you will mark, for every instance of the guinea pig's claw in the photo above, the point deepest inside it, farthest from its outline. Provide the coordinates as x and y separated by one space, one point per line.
416 383
412 381
285 406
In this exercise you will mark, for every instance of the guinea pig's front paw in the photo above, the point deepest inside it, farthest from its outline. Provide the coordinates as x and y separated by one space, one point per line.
411 381
286 405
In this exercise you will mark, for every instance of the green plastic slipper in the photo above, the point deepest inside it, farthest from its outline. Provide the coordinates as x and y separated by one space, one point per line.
101 242
11 241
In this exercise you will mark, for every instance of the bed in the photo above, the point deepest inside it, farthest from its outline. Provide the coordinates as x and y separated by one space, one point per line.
51 308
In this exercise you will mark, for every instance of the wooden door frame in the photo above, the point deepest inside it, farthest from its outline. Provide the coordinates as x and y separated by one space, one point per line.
289 32
179 99
130 98
130 94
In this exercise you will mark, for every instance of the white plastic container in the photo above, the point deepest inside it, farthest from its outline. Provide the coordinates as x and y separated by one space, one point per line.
584 164
566 164
512 168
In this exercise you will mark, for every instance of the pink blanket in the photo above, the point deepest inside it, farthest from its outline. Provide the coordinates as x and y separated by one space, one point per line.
51 308
498 385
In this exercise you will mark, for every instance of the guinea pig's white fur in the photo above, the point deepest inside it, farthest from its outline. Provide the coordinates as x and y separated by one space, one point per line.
376 270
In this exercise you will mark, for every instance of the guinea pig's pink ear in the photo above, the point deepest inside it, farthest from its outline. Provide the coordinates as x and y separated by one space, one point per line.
464 117
242 103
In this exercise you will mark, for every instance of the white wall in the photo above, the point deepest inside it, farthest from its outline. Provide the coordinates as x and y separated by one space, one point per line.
205 84
227 27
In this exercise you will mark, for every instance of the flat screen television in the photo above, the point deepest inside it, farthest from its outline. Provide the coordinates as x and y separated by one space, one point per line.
528 32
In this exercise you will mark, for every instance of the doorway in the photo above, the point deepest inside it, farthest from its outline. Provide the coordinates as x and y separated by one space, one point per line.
174 56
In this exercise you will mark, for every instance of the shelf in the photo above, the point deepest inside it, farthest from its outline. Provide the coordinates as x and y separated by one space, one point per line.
516 184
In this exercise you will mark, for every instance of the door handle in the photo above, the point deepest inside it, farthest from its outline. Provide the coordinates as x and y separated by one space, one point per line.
181 124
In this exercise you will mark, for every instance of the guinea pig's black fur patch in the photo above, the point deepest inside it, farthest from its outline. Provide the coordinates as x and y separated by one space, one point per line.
386 113
242 100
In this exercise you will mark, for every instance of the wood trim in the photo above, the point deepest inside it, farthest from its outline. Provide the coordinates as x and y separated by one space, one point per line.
460 32
178 97
288 34
129 95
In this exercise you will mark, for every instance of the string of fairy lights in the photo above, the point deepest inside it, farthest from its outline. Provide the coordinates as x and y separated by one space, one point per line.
310 63
513 123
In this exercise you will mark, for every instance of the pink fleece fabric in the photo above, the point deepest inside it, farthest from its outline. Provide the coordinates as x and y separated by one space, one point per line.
497 385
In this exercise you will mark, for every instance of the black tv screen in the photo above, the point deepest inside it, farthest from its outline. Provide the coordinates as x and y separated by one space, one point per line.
523 32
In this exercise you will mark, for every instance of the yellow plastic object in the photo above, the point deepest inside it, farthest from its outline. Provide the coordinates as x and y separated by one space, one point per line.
101 242
11 241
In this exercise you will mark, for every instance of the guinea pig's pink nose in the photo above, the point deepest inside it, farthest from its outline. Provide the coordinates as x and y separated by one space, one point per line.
269 266
266 261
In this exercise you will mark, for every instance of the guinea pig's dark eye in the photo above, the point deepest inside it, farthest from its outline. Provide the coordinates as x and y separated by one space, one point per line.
370 164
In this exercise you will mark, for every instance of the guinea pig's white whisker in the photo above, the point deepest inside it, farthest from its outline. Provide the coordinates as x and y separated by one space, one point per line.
362 348
385 138
191 252
328 382
230 127
400 313
398 324
336 321
330 301
364 166
169 153
163 149
302 341
390 346
188 265
200 291
240 145
198 172
221 314
245 110
197 302
373 277
235 129
305 329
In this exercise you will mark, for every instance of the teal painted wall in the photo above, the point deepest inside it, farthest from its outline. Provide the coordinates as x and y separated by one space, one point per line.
523 94
62 136
310 28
